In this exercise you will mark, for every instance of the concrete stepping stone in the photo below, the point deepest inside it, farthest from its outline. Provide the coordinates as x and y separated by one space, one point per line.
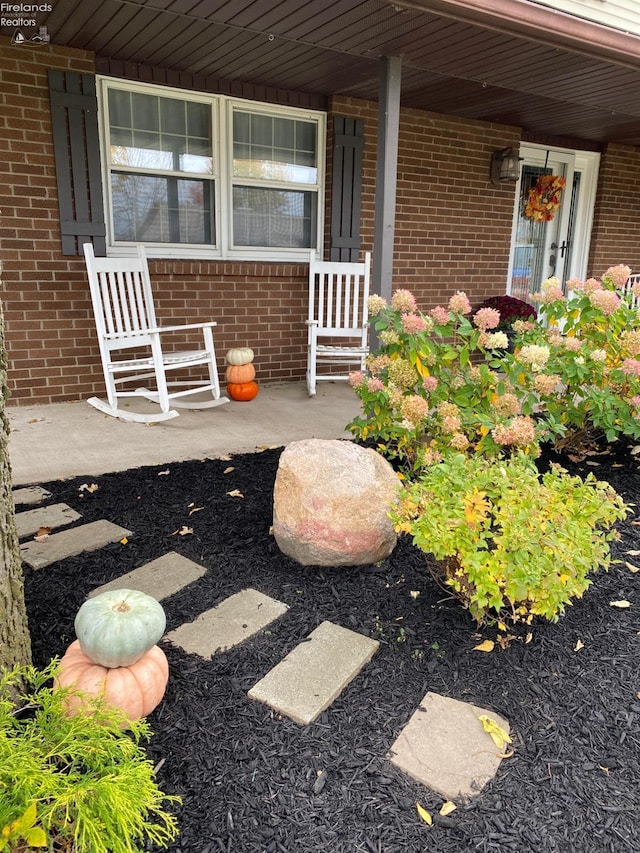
54 515
228 624
445 747
160 578
315 672
69 543
30 496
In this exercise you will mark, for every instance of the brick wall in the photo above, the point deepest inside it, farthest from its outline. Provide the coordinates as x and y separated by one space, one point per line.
453 227
615 237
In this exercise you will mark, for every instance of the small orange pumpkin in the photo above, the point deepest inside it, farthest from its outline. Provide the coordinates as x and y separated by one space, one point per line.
240 373
136 689
243 391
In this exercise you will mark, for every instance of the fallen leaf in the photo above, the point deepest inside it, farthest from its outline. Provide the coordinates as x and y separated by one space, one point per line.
633 553
505 641
485 646
34 420
498 734
621 604
229 469
183 531
196 509
529 637
632 568
124 540
589 462
164 473
605 770
635 450
85 487
447 808
424 814
236 493
579 645
414 593
43 531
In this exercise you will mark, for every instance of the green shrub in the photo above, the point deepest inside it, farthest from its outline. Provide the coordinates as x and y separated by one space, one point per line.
81 780
511 544
437 384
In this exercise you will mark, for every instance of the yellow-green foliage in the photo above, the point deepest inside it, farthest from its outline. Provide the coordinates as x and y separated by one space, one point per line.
82 781
514 543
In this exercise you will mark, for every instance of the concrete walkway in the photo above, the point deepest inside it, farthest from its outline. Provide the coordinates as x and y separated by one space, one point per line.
65 440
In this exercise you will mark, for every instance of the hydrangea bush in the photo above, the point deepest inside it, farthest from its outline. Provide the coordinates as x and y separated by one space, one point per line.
436 383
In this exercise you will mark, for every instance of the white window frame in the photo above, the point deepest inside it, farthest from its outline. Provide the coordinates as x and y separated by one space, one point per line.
222 107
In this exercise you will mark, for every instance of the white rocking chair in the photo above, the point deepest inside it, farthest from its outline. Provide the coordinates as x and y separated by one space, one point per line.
338 313
125 321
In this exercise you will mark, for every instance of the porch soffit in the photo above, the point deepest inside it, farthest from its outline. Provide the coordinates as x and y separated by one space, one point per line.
507 61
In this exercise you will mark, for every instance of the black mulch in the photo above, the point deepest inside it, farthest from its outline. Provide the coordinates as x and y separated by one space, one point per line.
252 782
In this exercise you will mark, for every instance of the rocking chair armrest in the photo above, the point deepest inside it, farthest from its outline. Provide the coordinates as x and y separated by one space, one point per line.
208 325
312 322
114 336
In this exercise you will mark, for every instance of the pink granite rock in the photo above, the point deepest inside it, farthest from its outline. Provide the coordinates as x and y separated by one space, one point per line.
331 500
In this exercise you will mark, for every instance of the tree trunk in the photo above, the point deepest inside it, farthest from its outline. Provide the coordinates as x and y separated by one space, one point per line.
15 642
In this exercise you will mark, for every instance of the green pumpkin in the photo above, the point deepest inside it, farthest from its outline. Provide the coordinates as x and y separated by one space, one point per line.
117 627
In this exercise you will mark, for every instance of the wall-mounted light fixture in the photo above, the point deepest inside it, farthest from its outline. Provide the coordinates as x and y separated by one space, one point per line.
505 166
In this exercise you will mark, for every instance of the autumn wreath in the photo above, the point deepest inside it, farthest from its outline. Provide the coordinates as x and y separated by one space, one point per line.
545 198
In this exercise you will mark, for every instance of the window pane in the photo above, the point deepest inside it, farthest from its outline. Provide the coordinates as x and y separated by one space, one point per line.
277 218
274 149
150 209
166 134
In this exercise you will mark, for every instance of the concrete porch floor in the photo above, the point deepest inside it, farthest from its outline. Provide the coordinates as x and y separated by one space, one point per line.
62 440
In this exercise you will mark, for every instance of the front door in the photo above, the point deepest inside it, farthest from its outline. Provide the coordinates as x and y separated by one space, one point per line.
559 246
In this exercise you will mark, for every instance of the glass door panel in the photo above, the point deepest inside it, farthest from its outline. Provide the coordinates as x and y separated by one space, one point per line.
539 247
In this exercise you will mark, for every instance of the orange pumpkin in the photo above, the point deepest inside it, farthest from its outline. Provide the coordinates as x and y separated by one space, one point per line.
243 391
136 689
240 373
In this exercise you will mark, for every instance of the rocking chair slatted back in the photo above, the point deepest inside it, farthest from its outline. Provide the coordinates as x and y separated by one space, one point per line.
337 320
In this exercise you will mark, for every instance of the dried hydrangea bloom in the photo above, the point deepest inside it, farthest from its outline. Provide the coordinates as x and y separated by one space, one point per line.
356 378
413 324
376 304
439 315
599 355
630 340
389 337
550 291
404 301
378 363
459 441
496 340
374 384
402 373
534 355
506 404
395 396
591 285
519 432
618 275
430 383
459 303
574 284
547 383
630 367
635 401
572 344
606 301
486 318
414 409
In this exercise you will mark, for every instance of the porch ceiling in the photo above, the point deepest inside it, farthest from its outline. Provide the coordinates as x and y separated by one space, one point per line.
508 61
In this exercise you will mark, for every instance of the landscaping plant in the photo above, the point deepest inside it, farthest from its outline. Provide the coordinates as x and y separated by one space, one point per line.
437 383
77 784
584 361
510 543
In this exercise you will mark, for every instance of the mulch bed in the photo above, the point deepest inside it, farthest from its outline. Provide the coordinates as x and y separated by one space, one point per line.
252 782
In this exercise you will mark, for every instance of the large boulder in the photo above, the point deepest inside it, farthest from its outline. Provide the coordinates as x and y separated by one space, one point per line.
331 500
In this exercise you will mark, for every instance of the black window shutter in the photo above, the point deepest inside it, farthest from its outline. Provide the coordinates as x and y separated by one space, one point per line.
346 192
74 118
